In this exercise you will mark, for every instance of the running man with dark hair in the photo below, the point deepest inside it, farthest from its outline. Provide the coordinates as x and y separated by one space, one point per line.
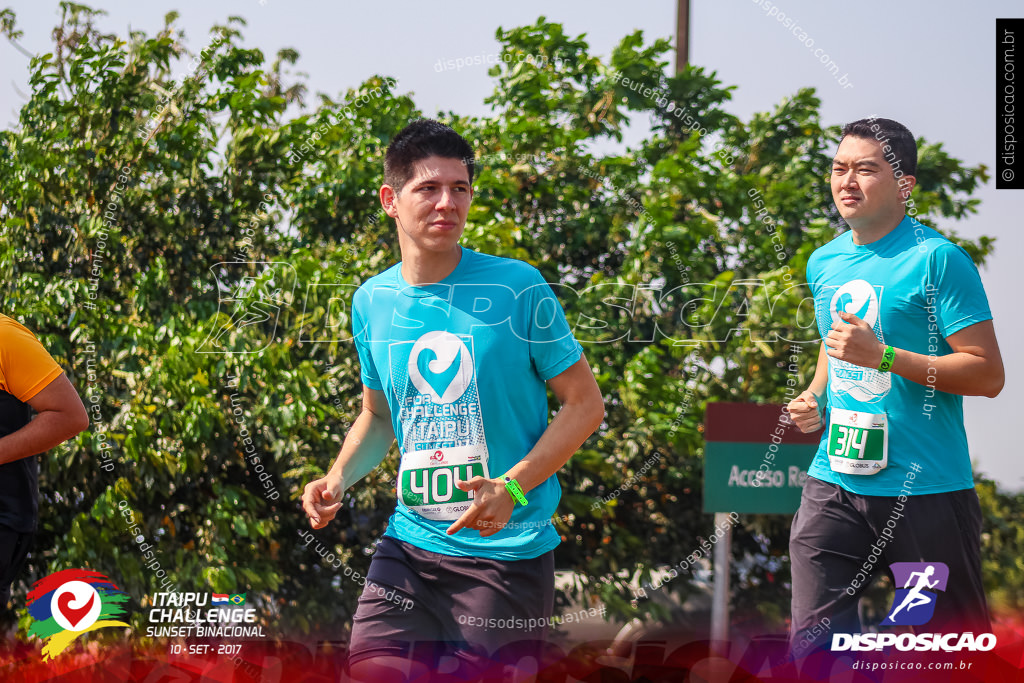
906 333
30 381
455 349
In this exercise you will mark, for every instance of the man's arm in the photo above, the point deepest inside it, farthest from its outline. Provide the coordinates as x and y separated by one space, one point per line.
60 415
580 414
366 444
804 409
975 368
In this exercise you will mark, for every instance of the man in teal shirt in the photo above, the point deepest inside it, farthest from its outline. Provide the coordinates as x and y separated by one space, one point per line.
455 348
907 332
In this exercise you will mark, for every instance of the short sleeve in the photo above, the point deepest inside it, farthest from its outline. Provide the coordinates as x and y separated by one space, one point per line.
822 316
954 287
553 349
812 275
361 336
25 366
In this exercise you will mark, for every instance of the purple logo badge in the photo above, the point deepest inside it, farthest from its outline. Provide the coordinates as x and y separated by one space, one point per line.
916 586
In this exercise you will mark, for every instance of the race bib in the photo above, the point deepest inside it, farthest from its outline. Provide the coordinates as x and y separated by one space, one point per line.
427 481
858 443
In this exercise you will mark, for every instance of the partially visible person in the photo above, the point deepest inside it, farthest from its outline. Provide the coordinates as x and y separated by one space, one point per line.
30 381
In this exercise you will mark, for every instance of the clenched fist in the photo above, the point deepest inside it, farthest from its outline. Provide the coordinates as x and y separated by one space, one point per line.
851 339
321 500
805 412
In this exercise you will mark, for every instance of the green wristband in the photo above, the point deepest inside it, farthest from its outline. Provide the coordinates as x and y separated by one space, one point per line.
516 491
888 356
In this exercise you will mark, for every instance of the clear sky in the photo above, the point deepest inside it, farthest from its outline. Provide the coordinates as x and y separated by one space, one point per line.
928 64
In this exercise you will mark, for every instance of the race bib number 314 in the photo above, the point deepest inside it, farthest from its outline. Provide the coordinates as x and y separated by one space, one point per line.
858 443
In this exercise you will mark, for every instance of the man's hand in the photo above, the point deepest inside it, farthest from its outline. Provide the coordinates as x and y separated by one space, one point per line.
491 509
805 412
320 500
854 341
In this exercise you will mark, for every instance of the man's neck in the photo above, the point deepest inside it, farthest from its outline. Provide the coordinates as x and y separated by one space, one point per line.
423 268
866 234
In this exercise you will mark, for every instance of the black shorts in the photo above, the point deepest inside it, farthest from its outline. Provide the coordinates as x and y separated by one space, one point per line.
14 547
841 540
425 606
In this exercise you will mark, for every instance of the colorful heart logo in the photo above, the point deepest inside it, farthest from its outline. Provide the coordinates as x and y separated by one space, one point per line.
72 614
71 602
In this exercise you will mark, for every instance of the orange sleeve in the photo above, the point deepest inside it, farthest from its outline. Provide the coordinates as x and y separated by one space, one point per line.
25 366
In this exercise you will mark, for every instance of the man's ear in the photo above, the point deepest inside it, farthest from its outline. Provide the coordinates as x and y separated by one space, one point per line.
907 184
389 200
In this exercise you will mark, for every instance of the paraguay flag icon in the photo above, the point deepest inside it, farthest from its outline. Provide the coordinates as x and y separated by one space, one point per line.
68 603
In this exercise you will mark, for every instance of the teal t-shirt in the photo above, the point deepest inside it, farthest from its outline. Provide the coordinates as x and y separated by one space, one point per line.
915 288
463 364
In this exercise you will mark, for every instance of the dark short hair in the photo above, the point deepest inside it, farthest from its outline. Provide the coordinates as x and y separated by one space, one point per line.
421 139
902 153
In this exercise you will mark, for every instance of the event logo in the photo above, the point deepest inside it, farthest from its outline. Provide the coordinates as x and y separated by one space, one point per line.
68 603
191 614
914 603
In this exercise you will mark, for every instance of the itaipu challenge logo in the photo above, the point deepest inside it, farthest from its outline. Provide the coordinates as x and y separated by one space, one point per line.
68 603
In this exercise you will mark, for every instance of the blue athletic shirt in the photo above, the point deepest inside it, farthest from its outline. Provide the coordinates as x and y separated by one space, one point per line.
463 364
915 288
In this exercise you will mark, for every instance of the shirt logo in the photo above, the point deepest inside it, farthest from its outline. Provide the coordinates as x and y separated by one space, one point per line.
441 366
857 297
866 385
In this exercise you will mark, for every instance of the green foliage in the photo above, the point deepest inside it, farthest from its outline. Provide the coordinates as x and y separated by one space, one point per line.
1002 547
147 188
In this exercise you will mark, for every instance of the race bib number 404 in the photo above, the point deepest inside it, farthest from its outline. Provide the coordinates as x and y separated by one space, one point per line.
858 443
428 481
